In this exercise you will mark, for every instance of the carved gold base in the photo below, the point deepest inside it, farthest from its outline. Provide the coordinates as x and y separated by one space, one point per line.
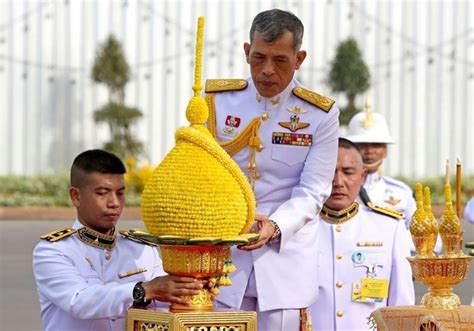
201 301
440 274
441 299
156 319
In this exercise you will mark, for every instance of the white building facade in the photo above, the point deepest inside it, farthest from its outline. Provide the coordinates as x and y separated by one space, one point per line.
420 55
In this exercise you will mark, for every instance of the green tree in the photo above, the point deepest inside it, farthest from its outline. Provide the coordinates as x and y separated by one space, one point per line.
349 75
111 68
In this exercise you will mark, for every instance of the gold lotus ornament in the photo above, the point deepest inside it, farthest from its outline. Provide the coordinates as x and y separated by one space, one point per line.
438 272
420 227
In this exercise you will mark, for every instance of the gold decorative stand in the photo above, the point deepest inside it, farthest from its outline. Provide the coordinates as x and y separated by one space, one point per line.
201 262
440 274
156 319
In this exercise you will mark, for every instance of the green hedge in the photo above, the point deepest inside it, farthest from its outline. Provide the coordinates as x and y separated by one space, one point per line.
53 190
41 191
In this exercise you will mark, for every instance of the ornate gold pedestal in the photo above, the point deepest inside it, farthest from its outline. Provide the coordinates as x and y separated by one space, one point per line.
440 274
159 319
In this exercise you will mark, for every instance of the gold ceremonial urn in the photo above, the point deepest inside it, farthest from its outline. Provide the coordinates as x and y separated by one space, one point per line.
440 274
199 261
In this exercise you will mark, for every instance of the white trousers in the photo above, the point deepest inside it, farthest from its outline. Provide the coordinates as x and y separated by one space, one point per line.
271 320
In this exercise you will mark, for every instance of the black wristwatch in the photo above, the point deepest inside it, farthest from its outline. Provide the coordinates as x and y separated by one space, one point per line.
139 296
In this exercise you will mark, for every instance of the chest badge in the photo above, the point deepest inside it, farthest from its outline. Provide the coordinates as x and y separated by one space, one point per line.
391 200
232 121
294 124
297 110
358 257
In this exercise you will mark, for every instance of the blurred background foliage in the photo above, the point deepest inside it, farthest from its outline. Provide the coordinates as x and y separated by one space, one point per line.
49 191
53 190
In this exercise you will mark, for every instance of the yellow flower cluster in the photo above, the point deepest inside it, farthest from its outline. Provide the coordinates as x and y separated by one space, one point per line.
135 179
198 190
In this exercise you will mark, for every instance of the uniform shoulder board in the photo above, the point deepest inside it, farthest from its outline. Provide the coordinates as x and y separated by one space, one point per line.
314 98
58 234
385 211
130 236
222 85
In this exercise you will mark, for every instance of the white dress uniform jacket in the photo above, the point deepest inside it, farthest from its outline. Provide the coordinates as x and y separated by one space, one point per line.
469 211
391 193
79 285
382 241
295 182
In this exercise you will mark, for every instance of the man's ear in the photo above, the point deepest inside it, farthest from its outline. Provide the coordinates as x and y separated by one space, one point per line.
247 51
75 196
364 174
300 56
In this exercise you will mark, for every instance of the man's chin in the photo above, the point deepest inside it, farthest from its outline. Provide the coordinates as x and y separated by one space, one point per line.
337 204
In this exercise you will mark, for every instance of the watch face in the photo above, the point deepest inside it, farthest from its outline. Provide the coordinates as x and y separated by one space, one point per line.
138 293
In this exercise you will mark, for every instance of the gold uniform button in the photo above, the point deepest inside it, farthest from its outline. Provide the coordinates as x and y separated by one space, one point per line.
339 313
339 256
339 284
265 116
260 148
108 256
338 228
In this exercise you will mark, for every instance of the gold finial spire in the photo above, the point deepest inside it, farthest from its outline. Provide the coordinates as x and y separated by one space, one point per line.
197 111
368 120
427 206
420 225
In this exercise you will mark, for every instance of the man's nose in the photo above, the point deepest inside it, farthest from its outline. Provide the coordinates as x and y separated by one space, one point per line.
268 68
337 181
113 200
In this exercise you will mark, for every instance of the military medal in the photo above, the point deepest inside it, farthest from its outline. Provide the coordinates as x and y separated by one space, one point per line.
294 124
297 110
294 139
232 121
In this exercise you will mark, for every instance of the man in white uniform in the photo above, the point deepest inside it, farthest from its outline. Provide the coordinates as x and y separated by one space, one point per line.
362 253
284 138
369 131
87 276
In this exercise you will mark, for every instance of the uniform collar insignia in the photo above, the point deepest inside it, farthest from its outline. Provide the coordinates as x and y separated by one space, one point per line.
339 216
96 239
294 124
275 102
298 110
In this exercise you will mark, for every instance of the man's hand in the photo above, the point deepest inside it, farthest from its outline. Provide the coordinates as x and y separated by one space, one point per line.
265 230
170 288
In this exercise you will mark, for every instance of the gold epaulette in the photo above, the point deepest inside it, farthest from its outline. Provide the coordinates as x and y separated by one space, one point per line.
222 85
58 234
140 240
314 98
385 211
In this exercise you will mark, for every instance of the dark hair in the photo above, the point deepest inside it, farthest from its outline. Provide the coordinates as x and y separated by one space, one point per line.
272 24
347 144
95 160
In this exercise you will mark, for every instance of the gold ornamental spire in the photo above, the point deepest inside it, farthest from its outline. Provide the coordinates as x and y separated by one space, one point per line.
419 223
198 190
